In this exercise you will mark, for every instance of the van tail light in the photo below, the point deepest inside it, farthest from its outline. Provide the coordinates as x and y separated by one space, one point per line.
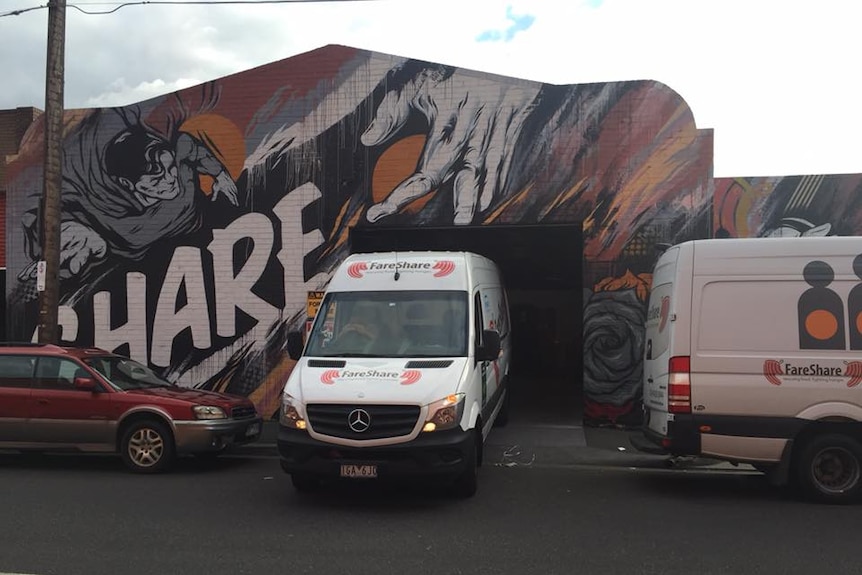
679 385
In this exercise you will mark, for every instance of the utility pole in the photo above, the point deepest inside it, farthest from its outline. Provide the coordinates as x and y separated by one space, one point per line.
48 273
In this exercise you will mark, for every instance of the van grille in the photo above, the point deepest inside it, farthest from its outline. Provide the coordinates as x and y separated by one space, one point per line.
326 363
428 363
385 420
243 412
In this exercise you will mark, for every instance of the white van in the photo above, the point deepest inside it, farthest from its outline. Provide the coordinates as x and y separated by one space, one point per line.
404 372
753 353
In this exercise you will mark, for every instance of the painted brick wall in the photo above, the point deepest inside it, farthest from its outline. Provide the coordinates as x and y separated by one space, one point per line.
202 271
13 125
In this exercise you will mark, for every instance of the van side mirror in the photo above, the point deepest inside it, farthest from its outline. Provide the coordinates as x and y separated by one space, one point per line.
294 344
85 384
490 348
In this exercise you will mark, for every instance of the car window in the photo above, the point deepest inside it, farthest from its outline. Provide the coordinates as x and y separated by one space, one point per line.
57 373
16 370
126 374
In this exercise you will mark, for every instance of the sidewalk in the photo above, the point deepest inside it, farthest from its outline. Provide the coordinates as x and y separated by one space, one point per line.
536 444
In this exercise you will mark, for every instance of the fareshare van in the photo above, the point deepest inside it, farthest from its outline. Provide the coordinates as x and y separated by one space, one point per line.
753 353
403 374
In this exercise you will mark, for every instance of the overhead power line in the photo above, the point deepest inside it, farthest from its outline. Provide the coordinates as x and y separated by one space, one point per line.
115 6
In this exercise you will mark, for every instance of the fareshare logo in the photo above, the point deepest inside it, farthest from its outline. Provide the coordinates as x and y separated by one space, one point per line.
665 312
438 269
660 312
355 270
777 371
406 377
444 268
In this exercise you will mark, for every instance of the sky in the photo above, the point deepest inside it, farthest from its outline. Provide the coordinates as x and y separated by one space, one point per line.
777 80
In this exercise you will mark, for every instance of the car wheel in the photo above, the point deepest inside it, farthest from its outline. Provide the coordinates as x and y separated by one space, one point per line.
147 446
467 483
304 482
829 468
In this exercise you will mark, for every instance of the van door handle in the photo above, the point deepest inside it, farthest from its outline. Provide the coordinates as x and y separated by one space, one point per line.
649 380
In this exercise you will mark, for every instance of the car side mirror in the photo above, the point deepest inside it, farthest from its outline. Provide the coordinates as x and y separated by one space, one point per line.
85 384
294 344
490 348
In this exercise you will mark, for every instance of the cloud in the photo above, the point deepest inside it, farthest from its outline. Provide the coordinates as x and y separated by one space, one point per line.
120 92
519 24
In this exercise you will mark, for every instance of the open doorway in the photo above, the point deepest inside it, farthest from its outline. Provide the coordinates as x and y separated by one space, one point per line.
542 268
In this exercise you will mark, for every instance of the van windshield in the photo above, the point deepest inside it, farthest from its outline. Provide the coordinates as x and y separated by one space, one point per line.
390 324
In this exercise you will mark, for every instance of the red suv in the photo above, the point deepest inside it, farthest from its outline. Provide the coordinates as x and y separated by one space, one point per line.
59 398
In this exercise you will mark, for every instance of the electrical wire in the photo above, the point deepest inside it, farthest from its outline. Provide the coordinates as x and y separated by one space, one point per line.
116 7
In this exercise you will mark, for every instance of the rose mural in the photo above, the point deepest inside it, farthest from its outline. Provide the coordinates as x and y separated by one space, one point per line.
614 318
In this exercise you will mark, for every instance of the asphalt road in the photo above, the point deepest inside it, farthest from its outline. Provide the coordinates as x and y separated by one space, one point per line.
87 515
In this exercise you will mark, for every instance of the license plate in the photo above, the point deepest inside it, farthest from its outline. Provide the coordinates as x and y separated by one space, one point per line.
253 429
359 471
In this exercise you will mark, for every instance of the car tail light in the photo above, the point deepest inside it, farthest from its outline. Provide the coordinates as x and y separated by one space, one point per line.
679 385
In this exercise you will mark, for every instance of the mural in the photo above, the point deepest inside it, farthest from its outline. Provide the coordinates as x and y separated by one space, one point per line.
195 223
614 318
788 206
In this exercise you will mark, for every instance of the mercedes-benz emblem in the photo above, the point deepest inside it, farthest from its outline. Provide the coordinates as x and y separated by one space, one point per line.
359 420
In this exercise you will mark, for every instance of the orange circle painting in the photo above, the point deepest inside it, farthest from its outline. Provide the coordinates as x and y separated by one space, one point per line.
821 324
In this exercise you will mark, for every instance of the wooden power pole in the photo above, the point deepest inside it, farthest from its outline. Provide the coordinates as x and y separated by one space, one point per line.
48 276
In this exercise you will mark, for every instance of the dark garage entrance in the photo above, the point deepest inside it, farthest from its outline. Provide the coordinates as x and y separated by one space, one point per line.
542 268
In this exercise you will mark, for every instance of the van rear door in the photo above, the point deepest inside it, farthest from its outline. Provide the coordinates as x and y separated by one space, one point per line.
660 338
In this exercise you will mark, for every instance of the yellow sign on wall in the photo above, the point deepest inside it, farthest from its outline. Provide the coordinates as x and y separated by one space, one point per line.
313 303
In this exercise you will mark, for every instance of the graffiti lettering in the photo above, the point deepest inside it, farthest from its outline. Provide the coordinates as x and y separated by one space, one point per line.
185 272
234 291
186 275
132 333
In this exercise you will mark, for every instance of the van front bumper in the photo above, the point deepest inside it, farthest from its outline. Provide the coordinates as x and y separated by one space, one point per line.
435 454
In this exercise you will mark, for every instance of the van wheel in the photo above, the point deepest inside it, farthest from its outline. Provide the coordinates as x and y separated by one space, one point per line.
503 414
147 446
829 468
304 482
467 483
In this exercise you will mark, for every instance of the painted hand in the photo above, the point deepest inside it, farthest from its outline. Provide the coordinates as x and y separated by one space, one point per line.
473 126
225 185
80 246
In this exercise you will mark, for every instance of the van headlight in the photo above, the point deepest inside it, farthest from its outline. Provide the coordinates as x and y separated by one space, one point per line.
208 412
445 413
289 416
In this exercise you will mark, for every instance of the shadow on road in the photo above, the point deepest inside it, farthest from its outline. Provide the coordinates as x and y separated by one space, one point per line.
107 463
402 496
715 487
